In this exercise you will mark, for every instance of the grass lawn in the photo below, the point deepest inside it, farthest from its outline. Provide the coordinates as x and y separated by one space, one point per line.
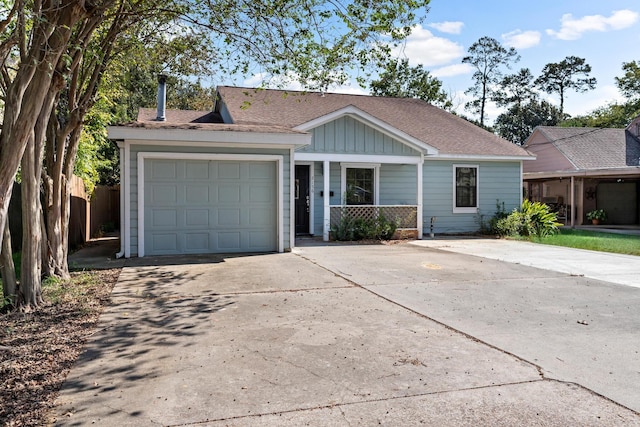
593 240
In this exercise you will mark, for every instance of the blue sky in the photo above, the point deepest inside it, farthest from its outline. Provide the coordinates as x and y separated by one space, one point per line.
605 33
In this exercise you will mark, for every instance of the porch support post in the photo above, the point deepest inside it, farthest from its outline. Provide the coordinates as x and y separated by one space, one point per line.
419 213
580 206
573 202
326 222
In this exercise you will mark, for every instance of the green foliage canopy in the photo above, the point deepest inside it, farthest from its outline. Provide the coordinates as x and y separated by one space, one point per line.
515 89
400 80
487 56
561 76
314 42
518 122
629 83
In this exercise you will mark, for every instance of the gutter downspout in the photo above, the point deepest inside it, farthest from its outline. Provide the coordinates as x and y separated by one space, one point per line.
121 253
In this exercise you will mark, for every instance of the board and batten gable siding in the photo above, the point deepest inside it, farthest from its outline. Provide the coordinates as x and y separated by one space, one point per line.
498 182
349 136
346 135
133 177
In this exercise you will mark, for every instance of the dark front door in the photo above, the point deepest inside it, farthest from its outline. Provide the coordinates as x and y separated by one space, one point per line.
302 199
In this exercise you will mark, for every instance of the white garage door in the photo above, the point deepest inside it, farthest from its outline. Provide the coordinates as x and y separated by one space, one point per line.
209 206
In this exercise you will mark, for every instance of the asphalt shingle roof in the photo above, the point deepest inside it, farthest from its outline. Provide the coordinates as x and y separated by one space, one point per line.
594 148
199 120
431 125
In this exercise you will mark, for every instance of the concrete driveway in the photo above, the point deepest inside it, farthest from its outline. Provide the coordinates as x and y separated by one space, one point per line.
356 335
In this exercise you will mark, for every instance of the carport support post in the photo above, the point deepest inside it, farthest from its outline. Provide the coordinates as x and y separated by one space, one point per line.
327 208
419 216
573 201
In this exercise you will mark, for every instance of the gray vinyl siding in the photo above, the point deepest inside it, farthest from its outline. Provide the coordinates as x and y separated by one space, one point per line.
398 184
133 176
498 181
349 136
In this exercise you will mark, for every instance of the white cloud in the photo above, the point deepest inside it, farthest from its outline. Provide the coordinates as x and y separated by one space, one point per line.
452 70
449 27
422 47
572 28
255 80
578 104
521 39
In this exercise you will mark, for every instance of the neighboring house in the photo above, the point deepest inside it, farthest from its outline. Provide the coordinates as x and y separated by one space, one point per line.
279 164
581 169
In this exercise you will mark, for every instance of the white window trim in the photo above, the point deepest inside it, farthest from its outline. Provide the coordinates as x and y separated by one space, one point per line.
466 210
376 179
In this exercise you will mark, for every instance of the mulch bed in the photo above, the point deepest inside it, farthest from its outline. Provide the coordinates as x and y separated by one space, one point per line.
38 349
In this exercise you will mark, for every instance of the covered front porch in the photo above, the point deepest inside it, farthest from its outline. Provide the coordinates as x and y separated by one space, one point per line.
367 187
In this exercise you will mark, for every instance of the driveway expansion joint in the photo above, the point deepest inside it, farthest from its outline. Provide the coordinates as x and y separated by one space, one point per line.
365 401
424 316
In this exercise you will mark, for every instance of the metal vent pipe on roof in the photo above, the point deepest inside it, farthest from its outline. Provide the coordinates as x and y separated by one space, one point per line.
162 98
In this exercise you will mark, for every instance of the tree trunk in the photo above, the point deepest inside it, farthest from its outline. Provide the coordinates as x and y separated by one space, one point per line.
56 242
44 247
27 90
30 290
32 237
7 268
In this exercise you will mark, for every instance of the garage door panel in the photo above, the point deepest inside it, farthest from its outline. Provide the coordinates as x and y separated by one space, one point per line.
197 218
229 241
211 206
165 218
196 193
165 243
164 170
229 217
258 240
198 242
260 194
197 170
229 170
164 193
259 217
229 193
261 171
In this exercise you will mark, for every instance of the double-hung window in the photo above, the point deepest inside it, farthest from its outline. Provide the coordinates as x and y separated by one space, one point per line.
359 184
465 181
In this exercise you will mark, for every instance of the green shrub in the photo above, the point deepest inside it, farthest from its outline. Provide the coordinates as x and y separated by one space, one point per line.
543 221
533 219
344 230
510 225
350 228
491 226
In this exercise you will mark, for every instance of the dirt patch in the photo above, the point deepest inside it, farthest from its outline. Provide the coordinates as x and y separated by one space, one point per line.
38 349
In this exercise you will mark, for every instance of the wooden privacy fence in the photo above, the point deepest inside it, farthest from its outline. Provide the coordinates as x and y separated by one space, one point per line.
87 217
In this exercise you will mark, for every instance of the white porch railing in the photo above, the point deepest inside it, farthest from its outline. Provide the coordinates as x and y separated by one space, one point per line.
405 216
